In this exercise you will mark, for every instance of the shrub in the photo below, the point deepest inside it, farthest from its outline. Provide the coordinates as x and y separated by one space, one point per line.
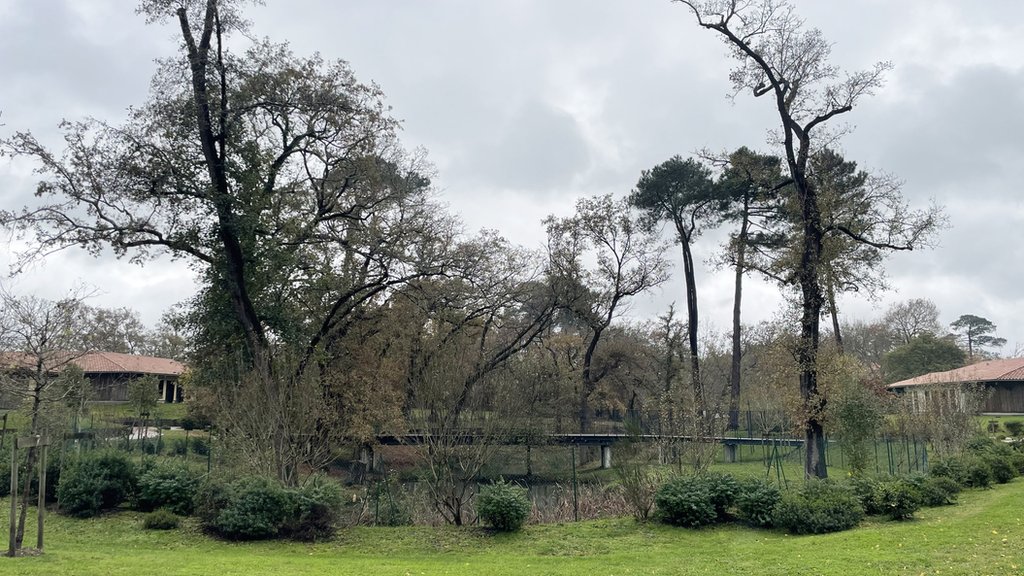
200 446
817 508
639 483
866 490
212 496
150 446
254 508
685 501
390 504
1014 427
935 490
97 483
195 420
980 445
168 486
723 489
504 506
1002 465
179 447
162 519
120 478
897 499
978 473
53 470
953 468
79 492
1000 458
1017 461
756 500
318 511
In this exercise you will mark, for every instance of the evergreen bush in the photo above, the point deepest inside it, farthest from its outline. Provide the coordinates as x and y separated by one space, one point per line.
953 468
200 446
817 508
255 508
179 447
1014 428
756 501
897 499
866 489
504 506
96 483
978 473
319 509
162 519
685 501
1002 466
723 489
168 486
935 490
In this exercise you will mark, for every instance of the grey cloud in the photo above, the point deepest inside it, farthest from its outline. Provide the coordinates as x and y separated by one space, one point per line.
539 148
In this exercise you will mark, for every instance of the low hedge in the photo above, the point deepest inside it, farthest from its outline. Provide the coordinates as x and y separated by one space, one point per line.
820 506
256 508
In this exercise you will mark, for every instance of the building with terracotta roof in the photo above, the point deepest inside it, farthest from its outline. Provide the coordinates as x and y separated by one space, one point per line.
1003 380
109 372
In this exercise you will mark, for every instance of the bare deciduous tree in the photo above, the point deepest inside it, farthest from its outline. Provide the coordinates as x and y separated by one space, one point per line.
629 260
40 340
912 318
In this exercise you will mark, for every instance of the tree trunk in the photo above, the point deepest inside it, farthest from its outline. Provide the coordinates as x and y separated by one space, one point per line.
737 348
692 323
833 311
30 460
588 383
807 355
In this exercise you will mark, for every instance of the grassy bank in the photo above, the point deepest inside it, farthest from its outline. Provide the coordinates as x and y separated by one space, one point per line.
984 534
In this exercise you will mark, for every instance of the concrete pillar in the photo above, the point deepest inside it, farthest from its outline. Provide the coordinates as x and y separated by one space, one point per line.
606 457
369 458
730 453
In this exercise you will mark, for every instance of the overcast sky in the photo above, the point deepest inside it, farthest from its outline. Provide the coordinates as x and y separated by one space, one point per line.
526 105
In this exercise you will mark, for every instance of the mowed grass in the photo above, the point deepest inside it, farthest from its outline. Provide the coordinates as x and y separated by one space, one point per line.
984 534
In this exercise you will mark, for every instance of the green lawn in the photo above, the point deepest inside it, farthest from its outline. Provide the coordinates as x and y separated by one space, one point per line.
984 534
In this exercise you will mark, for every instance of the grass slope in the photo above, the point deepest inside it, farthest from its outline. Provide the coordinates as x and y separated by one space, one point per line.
984 534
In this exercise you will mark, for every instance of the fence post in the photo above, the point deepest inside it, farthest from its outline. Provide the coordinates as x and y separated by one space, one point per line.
575 489
14 498
42 498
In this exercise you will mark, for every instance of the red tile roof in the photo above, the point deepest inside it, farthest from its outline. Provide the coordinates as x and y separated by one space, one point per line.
98 363
108 362
987 371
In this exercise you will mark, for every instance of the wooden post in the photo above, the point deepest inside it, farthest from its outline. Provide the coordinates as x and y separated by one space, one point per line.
730 453
14 500
42 495
27 442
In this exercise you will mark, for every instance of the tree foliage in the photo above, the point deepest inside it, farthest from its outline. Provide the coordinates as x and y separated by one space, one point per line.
681 192
279 178
749 187
976 333
922 355
630 260
912 318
